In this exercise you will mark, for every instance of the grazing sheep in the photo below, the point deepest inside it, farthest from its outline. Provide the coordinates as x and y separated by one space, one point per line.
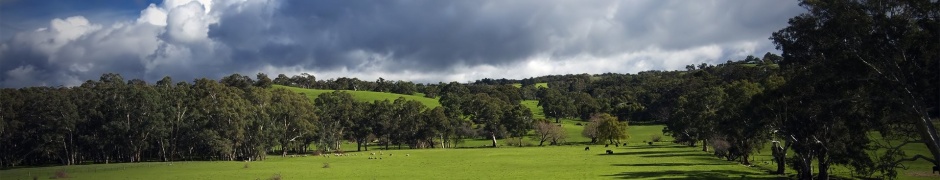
587 148
610 151
373 154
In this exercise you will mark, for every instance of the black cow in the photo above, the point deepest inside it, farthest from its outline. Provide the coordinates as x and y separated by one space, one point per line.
610 152
587 148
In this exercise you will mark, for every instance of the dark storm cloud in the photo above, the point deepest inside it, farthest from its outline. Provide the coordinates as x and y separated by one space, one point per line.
411 40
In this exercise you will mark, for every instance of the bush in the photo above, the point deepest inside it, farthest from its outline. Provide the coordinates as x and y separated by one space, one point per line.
326 165
246 166
517 142
721 148
60 174
656 138
275 177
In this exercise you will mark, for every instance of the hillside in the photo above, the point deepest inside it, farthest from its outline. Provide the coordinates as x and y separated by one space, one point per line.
365 96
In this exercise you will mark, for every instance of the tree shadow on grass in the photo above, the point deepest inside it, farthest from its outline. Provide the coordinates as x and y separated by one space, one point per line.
670 164
704 174
637 153
659 147
677 155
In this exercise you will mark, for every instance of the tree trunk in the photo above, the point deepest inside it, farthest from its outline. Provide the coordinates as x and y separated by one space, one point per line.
805 171
744 159
929 135
705 145
823 161
780 155
493 135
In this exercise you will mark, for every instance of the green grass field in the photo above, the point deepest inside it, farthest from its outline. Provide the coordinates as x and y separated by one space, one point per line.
636 161
365 96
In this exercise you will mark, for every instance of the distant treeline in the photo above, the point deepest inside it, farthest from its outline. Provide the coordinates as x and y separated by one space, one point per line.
235 118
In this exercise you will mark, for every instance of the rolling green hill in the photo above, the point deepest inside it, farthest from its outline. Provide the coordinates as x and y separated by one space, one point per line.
365 96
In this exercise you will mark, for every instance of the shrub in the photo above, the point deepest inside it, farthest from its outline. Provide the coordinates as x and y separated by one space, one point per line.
60 174
275 177
246 166
326 165
721 148
515 141
656 138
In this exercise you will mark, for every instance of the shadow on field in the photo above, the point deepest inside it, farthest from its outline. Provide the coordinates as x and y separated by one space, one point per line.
659 147
648 153
670 164
678 155
705 174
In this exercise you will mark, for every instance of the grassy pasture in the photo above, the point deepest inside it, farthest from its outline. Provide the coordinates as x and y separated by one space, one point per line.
636 161
365 96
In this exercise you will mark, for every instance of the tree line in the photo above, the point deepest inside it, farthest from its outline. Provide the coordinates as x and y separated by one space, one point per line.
234 118
849 69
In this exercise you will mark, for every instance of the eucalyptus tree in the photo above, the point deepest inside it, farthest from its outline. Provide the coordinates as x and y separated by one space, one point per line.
887 49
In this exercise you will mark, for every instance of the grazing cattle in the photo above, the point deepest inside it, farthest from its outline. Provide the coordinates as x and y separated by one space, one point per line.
606 145
651 143
610 151
587 148
624 144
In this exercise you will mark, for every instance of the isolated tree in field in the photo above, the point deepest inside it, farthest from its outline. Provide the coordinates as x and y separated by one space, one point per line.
609 129
547 131
886 48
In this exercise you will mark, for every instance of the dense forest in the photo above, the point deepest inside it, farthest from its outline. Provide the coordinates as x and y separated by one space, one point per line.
855 82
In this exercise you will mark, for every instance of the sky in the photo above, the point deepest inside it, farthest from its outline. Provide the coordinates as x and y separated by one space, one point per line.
64 43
